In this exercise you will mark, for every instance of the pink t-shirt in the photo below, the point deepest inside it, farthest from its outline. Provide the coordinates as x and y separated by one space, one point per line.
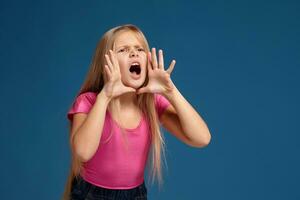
114 166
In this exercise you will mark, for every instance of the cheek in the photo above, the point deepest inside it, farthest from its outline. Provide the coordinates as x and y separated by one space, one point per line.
144 60
122 64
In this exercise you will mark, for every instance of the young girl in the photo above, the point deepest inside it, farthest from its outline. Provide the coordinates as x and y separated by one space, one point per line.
115 118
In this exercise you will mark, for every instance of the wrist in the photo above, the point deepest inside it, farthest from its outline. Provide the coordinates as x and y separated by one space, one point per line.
171 92
103 96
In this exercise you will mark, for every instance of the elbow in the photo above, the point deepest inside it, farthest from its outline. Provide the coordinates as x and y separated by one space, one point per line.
204 141
82 156
207 140
80 153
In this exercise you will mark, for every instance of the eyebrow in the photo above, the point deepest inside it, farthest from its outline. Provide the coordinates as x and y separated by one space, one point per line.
128 46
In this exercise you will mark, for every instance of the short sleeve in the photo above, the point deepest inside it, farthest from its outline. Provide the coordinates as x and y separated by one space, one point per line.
161 103
82 104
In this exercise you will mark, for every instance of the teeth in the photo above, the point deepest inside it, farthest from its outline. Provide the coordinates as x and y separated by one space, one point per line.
135 63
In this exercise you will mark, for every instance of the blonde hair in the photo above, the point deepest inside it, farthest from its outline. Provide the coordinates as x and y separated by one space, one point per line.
94 82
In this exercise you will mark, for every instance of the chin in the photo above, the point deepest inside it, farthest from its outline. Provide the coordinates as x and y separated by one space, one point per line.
135 84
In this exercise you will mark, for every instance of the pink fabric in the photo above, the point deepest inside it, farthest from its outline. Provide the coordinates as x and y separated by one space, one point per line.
114 166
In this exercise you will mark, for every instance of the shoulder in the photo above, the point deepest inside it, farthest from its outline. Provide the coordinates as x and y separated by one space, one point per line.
161 103
86 98
89 97
82 103
160 99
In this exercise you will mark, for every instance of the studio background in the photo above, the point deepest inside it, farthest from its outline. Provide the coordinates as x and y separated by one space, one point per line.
237 64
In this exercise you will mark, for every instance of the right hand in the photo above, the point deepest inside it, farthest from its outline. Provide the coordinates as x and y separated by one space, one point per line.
114 86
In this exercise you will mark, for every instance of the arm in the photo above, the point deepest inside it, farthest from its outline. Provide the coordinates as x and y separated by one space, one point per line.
184 122
87 128
181 120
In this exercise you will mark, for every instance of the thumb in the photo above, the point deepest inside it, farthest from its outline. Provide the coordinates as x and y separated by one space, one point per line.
143 90
130 89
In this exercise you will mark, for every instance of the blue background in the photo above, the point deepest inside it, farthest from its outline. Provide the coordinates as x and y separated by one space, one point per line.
237 64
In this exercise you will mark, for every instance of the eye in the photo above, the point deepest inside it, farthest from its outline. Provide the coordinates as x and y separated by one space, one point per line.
141 49
121 50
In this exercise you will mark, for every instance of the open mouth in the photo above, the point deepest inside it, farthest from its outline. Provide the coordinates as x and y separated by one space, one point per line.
135 68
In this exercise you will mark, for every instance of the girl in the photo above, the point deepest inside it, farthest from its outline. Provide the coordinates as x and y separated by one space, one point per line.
114 120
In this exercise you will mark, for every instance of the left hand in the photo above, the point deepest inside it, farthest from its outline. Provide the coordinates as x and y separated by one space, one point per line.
159 79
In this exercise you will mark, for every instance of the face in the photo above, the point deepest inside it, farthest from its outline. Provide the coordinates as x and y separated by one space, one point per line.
132 59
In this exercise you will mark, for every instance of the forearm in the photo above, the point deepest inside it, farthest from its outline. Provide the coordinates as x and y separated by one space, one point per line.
87 137
191 122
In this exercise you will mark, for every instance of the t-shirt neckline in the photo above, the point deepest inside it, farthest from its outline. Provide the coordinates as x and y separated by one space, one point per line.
127 129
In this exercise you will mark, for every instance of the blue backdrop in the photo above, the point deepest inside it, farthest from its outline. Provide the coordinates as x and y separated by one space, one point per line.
237 64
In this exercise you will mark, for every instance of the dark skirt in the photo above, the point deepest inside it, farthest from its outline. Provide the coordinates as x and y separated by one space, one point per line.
83 190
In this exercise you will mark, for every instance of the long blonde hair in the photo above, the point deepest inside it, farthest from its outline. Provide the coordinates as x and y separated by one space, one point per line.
94 82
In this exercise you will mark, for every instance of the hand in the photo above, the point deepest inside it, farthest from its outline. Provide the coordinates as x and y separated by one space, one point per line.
159 79
114 86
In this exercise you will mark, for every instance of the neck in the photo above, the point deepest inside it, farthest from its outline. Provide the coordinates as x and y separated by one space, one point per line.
126 101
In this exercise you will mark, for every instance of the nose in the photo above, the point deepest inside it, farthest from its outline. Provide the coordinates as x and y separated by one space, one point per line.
133 53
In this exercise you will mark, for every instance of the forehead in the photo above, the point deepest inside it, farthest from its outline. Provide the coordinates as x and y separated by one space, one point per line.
127 38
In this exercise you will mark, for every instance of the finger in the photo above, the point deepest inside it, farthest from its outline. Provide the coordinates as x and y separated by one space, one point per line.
171 67
154 58
160 59
114 60
109 67
149 64
108 72
109 62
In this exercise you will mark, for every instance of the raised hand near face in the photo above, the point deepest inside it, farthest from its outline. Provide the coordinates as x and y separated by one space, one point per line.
114 85
159 78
